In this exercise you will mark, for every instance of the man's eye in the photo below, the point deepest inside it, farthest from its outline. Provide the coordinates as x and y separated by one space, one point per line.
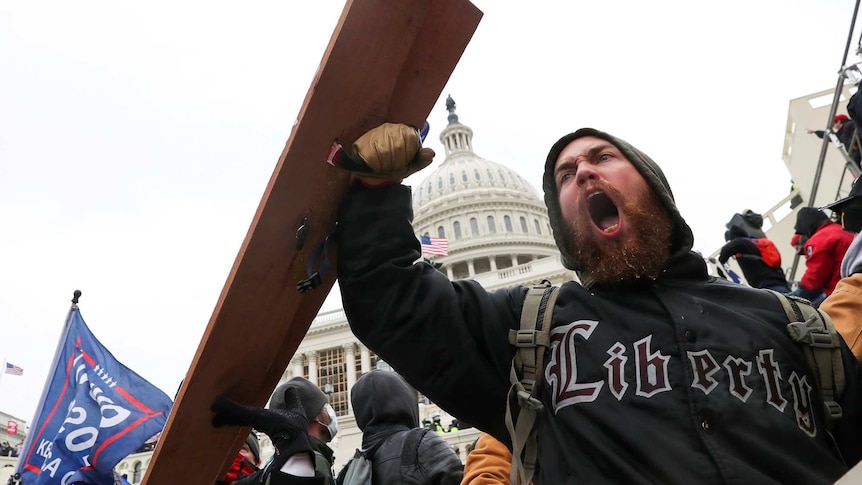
565 177
604 157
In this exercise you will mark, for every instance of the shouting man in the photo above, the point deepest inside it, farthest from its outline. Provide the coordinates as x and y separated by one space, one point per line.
656 372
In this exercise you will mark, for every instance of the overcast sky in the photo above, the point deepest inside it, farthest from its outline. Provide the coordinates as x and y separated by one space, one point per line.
136 139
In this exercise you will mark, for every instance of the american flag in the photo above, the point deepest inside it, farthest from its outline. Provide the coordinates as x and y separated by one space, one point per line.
435 246
13 369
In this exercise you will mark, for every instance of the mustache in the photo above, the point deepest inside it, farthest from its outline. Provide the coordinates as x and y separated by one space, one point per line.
640 253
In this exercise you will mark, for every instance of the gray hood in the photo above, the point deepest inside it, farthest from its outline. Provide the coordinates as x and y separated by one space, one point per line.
682 239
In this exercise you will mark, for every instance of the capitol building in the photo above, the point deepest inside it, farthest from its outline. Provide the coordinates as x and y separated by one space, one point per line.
498 233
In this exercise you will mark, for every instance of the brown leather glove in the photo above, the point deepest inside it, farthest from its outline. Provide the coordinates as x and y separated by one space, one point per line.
393 151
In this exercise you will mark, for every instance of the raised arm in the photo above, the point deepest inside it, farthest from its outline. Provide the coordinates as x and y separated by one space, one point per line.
737 246
448 339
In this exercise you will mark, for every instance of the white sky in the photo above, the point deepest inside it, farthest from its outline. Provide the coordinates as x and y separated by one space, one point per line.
136 140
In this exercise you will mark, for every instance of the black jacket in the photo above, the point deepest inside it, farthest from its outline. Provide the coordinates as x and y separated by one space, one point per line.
683 379
757 273
323 457
845 134
387 411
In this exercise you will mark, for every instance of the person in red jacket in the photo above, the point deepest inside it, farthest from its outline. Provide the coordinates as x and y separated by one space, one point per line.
827 242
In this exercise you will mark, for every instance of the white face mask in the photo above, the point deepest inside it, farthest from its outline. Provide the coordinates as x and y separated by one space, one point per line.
332 427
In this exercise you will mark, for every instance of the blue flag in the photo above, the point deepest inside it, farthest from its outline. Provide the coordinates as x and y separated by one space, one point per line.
95 412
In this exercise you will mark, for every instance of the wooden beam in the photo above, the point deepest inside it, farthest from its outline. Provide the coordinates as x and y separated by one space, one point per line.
387 60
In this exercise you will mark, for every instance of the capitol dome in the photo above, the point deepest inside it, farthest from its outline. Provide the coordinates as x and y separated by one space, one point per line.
492 218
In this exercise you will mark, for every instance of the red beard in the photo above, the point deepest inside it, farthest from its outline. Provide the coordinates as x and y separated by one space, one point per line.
640 253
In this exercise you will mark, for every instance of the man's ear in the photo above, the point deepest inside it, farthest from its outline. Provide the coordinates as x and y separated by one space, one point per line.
322 416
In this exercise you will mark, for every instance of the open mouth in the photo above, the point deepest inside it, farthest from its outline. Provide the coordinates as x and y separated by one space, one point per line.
603 211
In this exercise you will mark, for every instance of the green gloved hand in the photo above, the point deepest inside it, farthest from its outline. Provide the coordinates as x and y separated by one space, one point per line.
393 151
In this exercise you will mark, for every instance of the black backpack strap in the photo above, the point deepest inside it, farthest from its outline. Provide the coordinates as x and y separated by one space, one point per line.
410 446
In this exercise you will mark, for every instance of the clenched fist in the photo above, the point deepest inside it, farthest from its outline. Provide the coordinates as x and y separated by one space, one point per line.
393 151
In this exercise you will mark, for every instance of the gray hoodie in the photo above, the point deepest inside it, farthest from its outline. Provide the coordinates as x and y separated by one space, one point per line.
682 236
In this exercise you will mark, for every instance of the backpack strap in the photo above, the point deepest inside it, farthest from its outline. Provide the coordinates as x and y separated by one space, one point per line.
410 446
822 348
530 341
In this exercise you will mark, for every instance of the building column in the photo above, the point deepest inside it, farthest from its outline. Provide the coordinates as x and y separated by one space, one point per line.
471 271
350 360
493 260
514 260
449 272
364 359
312 366
296 362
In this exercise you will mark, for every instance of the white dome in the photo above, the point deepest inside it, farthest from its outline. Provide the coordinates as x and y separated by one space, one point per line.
466 172
485 210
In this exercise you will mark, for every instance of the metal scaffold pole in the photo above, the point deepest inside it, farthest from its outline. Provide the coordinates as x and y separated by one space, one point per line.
832 110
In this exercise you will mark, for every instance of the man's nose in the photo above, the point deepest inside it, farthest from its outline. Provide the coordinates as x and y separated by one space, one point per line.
586 173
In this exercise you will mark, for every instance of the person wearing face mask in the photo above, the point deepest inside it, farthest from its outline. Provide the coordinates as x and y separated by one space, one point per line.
322 422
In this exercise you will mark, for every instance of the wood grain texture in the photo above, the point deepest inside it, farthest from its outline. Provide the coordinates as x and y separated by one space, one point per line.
387 60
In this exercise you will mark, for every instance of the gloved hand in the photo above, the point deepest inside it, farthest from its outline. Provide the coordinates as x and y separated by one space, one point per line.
287 428
852 262
392 151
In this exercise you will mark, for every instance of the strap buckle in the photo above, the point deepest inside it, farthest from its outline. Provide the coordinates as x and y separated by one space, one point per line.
529 402
810 333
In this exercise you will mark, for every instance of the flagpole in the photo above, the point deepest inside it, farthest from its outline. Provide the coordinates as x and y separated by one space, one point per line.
63 334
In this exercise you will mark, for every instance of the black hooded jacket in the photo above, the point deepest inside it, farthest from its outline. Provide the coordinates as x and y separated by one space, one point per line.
678 379
748 256
386 410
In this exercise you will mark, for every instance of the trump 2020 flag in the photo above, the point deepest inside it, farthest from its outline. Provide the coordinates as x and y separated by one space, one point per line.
95 411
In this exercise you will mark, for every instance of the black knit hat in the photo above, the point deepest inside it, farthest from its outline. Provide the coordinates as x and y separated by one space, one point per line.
254 446
311 397
682 238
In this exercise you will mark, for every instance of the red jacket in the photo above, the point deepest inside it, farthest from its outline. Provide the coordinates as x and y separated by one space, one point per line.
824 251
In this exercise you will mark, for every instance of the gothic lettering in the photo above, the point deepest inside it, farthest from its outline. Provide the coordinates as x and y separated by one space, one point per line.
616 365
651 369
562 371
802 404
768 368
703 367
737 370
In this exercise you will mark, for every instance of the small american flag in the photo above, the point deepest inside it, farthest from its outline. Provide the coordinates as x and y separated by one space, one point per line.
435 246
13 369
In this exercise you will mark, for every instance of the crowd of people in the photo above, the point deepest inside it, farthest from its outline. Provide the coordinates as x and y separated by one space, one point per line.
435 424
6 449
820 240
648 369
394 449
646 343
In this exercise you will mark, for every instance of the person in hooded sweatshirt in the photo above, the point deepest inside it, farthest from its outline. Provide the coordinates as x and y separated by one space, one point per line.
656 371
823 250
757 272
387 411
